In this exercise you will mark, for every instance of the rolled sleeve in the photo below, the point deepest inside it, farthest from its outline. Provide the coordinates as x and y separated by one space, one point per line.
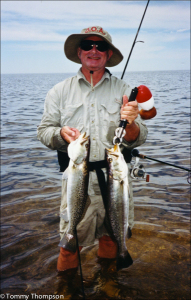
142 135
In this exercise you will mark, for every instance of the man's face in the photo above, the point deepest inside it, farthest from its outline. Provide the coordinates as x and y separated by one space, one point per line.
94 60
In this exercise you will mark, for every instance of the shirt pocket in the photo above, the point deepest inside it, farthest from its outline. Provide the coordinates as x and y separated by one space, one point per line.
109 120
73 116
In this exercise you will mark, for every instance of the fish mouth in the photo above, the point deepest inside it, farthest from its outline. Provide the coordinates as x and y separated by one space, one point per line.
114 151
84 138
116 148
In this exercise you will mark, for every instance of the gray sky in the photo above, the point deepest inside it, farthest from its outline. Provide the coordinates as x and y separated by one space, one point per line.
33 33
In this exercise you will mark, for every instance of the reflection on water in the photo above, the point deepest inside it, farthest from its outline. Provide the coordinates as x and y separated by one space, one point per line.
31 186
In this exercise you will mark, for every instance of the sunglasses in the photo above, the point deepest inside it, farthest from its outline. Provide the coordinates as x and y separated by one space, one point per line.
87 45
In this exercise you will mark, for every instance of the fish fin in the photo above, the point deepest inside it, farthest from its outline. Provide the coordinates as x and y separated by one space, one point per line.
64 215
124 261
68 242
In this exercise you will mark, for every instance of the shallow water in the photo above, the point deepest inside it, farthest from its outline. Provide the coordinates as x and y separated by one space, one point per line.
30 200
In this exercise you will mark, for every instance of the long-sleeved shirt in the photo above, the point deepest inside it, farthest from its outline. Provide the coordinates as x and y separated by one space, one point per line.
96 111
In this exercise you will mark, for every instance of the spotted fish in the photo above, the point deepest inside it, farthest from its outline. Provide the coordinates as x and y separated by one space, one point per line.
77 188
117 204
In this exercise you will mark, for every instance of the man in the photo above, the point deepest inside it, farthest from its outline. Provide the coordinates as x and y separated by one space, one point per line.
93 101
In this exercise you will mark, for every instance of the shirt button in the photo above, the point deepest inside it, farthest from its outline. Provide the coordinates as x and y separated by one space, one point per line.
92 105
92 121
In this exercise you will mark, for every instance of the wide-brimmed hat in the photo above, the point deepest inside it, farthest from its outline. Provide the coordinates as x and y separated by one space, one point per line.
73 41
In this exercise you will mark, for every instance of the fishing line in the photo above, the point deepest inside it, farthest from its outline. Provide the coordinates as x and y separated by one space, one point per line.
81 276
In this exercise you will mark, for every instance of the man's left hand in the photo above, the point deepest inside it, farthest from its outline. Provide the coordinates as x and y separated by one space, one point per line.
129 110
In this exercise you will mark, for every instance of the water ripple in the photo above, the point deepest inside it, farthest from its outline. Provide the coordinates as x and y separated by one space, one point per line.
31 189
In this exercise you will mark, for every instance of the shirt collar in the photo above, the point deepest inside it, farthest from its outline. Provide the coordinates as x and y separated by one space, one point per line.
80 75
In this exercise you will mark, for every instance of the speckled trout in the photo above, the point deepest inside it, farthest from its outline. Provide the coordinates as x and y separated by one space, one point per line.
77 188
117 206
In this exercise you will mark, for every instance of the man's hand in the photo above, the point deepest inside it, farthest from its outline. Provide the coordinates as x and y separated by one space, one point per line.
69 134
129 110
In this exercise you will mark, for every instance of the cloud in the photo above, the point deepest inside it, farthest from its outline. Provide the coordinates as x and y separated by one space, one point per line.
49 20
33 32
183 30
39 28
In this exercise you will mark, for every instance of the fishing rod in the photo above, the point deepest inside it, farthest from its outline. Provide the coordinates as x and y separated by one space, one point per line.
135 40
150 111
123 123
135 153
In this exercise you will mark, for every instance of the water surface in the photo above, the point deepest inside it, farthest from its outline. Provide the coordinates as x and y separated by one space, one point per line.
31 188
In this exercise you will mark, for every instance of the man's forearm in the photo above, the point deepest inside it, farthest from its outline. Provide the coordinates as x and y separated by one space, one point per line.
50 137
132 132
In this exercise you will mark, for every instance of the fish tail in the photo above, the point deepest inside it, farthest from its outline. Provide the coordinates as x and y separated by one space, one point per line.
68 243
124 261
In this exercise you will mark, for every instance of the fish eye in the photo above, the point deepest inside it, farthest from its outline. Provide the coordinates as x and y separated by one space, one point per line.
86 145
110 159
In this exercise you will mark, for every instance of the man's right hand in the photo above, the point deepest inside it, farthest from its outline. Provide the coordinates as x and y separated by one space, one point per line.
69 134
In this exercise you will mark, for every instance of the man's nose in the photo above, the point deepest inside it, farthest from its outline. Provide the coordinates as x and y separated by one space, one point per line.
94 49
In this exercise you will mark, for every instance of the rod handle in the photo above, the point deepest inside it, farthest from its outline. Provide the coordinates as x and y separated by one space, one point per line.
135 153
132 97
133 94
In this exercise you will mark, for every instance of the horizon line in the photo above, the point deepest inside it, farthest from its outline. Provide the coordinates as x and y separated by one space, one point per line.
76 72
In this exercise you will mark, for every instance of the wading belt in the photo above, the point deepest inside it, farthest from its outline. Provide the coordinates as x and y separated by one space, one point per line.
97 166
63 160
